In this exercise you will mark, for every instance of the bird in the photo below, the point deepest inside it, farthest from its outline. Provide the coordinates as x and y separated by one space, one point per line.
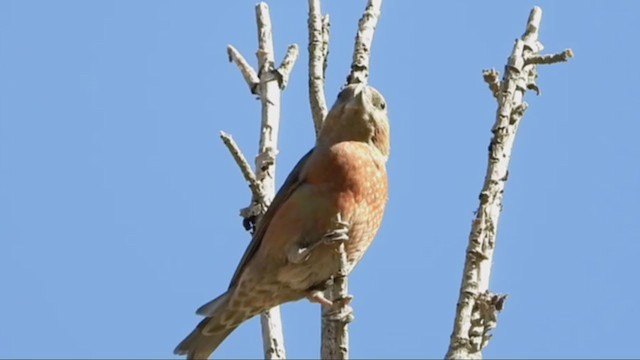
335 195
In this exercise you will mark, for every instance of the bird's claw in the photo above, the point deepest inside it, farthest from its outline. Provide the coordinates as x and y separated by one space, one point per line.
318 297
298 255
338 309
345 301
339 233
336 235
341 310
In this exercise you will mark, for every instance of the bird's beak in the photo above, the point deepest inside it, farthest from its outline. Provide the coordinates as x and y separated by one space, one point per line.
359 98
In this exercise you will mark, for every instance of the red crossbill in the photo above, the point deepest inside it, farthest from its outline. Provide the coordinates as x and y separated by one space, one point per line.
336 193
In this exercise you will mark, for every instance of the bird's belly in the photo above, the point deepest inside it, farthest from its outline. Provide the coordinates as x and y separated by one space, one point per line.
364 216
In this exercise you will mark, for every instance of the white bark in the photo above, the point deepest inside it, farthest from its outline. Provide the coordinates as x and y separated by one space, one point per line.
268 84
477 308
364 38
249 176
317 63
249 75
284 70
272 336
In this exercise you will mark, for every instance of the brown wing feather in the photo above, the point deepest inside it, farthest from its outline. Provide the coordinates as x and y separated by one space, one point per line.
292 182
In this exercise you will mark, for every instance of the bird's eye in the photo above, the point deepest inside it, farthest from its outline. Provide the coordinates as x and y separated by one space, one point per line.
378 100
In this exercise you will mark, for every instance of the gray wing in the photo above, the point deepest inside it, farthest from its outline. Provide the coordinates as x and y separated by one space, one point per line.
292 182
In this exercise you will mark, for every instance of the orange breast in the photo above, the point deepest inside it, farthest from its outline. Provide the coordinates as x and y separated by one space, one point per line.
355 174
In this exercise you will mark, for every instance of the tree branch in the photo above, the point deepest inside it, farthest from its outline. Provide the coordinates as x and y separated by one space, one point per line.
318 51
549 59
243 164
477 308
492 78
335 334
284 70
246 70
326 31
268 85
362 50
272 336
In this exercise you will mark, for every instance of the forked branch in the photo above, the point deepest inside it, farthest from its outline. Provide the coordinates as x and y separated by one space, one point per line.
477 308
268 84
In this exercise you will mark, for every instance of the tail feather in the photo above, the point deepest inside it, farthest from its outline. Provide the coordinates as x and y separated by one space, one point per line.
210 308
221 318
200 346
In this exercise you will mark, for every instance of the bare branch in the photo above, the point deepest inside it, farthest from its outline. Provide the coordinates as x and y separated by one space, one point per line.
243 164
271 325
284 70
549 59
318 51
364 38
246 70
269 90
484 317
492 78
326 31
335 334
476 312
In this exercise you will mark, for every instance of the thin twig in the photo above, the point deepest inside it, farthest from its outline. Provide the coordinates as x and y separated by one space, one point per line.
362 52
317 62
249 75
284 70
243 164
477 309
492 78
549 59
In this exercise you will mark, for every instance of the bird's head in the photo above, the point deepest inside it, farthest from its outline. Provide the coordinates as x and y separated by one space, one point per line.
359 114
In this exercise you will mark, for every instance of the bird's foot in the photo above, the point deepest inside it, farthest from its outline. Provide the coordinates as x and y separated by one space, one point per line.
337 310
342 302
318 297
339 233
341 310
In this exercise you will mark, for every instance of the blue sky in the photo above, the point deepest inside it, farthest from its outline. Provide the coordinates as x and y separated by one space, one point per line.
119 204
